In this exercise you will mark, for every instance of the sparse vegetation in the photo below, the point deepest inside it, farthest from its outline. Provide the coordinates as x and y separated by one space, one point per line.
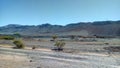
72 37
18 44
113 48
59 45
33 47
54 37
17 35
106 43
7 37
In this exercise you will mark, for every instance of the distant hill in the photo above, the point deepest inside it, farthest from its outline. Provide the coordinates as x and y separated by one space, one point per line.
103 28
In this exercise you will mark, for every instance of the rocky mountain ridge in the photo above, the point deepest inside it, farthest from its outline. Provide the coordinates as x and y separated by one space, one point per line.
106 28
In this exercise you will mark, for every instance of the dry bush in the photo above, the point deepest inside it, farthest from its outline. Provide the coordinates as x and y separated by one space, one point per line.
18 44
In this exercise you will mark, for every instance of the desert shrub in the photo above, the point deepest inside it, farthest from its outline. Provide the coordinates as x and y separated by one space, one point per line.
7 37
113 48
106 43
72 37
59 45
18 44
33 47
54 37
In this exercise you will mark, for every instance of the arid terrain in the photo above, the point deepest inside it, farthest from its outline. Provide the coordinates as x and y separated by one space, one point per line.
59 33
76 54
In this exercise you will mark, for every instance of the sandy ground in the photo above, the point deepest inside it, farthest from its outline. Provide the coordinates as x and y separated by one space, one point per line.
75 55
15 58
13 61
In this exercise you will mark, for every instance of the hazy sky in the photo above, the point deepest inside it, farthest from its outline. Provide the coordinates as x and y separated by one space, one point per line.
34 12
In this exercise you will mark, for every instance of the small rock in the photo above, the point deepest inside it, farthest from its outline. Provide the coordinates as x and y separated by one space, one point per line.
31 61
38 67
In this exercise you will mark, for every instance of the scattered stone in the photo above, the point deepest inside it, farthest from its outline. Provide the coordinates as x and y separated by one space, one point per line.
31 61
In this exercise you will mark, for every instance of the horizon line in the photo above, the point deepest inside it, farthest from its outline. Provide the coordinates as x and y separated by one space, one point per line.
57 24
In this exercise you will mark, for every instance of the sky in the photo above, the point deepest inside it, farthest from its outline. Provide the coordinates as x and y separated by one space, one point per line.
59 12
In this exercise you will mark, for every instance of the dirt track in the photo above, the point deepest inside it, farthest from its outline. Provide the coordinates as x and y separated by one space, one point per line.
75 55
51 59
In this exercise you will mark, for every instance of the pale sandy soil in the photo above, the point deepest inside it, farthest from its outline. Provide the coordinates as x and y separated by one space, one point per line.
18 58
75 55
13 61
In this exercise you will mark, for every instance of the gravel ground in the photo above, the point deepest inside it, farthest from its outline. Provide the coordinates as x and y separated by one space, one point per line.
51 59
72 47
75 55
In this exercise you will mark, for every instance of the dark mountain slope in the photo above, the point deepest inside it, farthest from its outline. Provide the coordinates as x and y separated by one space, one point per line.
106 28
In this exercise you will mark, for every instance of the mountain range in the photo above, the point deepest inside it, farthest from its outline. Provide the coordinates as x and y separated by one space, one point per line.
103 28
